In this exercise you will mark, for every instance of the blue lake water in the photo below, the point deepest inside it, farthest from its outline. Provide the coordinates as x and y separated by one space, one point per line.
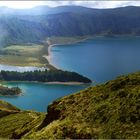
100 59
38 96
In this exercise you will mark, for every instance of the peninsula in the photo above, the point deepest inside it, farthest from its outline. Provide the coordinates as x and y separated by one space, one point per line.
56 76
6 91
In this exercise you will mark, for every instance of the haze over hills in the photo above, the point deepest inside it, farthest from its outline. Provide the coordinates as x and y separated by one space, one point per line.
36 24
44 10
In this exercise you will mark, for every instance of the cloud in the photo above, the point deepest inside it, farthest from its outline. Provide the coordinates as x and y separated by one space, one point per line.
102 4
53 3
21 4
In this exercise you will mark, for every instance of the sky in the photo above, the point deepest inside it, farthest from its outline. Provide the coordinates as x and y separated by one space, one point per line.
53 3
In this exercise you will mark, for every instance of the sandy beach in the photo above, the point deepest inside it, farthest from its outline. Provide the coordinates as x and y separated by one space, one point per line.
48 56
50 45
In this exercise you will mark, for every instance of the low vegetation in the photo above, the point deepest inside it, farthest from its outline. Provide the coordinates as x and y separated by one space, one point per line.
17 124
33 54
6 106
23 55
14 122
110 110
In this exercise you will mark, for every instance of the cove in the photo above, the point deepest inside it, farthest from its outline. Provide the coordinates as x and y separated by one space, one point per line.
101 58
37 96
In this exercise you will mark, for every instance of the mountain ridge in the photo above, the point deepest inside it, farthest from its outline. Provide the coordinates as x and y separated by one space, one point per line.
53 10
66 21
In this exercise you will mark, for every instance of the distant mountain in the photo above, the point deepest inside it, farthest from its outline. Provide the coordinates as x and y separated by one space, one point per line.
43 10
36 24
33 11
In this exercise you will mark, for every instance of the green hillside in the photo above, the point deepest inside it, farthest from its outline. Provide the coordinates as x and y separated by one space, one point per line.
110 110
7 109
6 106
17 124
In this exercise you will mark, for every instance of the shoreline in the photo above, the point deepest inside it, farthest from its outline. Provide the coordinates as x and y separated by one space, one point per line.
49 65
51 44
8 95
48 56
49 83
11 95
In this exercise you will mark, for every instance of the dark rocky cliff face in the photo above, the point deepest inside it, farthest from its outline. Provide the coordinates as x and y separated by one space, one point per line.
53 113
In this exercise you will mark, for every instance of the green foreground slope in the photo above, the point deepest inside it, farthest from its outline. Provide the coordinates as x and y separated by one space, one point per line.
6 106
110 110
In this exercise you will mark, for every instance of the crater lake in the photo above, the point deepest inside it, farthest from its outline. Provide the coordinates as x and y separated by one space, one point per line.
100 59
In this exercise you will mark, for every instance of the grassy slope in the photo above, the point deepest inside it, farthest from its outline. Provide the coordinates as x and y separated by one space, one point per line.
14 122
110 110
7 109
17 124
6 106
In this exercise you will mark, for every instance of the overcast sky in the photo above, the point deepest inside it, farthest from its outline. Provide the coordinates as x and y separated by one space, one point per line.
92 4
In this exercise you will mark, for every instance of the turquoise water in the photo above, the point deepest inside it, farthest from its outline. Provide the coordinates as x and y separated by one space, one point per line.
37 96
101 59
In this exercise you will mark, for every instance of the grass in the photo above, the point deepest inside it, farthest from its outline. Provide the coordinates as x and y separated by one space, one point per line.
110 111
24 49
107 111
6 106
20 60
24 55
32 54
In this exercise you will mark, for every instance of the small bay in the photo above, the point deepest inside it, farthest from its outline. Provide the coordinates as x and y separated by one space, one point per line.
101 59
37 96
